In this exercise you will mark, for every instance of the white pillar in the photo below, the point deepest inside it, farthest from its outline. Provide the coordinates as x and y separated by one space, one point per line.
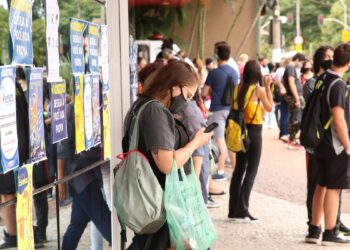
118 31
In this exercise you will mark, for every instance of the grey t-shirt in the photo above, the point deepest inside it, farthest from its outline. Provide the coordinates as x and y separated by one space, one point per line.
291 71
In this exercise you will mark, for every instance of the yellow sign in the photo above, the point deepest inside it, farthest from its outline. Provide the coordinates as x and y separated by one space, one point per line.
299 48
345 36
79 114
106 126
25 237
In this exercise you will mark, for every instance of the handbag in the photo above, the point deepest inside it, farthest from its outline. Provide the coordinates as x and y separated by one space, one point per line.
138 196
189 222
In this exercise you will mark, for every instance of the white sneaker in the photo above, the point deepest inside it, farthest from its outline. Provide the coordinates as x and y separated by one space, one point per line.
212 204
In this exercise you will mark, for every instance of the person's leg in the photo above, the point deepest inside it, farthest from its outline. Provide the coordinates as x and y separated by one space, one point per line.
232 156
235 186
95 207
312 176
284 119
78 223
254 155
223 154
331 205
318 205
9 215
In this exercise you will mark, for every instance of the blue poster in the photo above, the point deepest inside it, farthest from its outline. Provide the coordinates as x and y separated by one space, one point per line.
77 28
36 123
93 46
8 121
89 131
58 111
96 115
104 58
21 31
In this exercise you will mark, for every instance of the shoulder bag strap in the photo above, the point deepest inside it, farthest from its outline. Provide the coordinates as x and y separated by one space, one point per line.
329 122
256 109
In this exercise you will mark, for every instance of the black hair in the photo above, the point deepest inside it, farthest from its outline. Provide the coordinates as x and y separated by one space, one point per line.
342 55
20 75
299 56
251 75
208 61
224 53
319 57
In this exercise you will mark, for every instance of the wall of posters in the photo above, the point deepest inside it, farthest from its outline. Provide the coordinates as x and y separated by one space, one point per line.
79 113
96 115
77 28
8 121
21 31
89 131
52 40
93 46
104 58
106 126
36 123
58 112
25 236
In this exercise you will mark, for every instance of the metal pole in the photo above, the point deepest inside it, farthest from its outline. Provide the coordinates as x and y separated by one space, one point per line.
298 18
276 34
345 8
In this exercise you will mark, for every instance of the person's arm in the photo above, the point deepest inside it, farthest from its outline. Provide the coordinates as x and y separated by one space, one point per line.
197 162
293 90
265 93
206 90
62 190
164 158
341 127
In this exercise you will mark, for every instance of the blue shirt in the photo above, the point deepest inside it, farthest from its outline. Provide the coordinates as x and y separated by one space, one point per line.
217 79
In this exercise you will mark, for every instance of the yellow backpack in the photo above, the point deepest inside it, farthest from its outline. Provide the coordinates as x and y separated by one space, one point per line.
236 133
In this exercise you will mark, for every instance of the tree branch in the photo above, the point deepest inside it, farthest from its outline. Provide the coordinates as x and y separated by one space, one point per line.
328 5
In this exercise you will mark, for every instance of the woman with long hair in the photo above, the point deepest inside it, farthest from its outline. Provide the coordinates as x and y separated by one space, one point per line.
162 139
252 99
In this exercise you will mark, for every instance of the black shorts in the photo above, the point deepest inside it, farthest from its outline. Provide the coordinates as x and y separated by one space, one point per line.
334 173
7 183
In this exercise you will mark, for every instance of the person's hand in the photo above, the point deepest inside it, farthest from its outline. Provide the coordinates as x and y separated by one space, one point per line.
62 190
267 80
297 103
201 138
347 151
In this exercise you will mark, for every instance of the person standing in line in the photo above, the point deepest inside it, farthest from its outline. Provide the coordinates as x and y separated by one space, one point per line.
250 97
332 154
293 93
214 87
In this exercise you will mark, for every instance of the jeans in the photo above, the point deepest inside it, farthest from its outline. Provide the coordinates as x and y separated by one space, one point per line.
284 118
246 166
88 205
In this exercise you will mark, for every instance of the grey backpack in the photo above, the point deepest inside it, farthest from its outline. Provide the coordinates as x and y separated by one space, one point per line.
138 196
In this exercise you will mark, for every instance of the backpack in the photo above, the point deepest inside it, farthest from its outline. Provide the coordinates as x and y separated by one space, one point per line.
311 127
138 196
226 98
236 132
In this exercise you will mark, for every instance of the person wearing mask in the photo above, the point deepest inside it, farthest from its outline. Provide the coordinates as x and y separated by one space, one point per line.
214 87
306 72
332 154
161 138
264 65
293 93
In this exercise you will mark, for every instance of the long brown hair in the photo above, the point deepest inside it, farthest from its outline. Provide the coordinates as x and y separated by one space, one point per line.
175 73
251 75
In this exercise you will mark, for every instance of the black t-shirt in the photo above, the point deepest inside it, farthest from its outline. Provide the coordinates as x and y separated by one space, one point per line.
331 146
157 130
291 71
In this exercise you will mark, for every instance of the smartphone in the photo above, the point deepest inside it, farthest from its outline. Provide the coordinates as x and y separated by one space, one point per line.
211 127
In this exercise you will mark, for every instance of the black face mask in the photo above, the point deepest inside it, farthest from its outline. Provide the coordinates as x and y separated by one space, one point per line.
326 64
305 70
177 104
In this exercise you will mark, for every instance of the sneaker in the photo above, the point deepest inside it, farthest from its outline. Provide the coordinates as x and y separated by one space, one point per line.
344 229
284 138
39 237
294 145
8 241
247 218
212 204
219 177
334 238
313 235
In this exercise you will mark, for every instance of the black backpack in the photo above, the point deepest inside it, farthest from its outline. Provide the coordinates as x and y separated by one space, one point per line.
312 128
226 98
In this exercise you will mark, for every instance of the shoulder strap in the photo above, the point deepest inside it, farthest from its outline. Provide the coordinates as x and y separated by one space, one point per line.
329 122
134 140
235 97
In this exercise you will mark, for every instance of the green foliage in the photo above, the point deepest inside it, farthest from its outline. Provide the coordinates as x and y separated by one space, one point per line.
66 72
147 20
39 42
4 35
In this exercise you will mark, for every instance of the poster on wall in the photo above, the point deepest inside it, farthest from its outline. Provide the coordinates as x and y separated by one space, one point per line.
77 28
105 92
79 113
52 40
21 31
58 111
96 115
36 123
8 121
93 46
25 236
89 130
